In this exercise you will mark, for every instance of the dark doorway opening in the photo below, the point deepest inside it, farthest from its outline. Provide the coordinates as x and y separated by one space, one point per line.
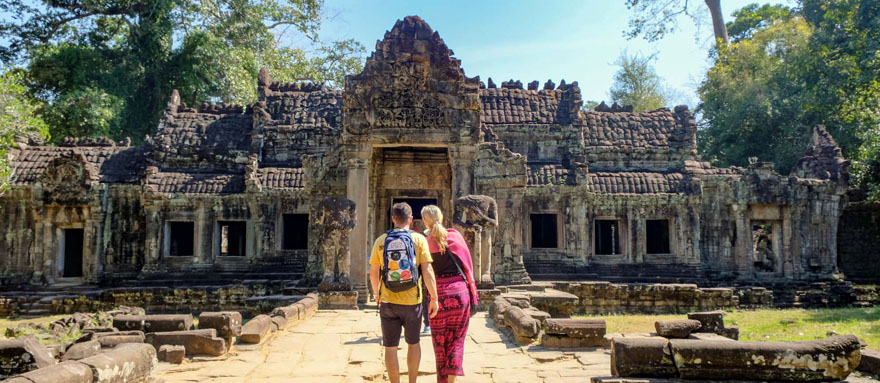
181 241
657 236
296 232
73 253
232 238
416 204
545 233
607 237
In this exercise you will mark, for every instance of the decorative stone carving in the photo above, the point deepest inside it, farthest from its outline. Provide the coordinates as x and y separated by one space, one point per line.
336 220
67 178
477 217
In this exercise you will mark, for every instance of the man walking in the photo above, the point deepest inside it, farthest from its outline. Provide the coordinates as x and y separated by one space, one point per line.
399 262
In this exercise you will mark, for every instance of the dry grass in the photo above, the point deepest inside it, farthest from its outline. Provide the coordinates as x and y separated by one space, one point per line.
775 324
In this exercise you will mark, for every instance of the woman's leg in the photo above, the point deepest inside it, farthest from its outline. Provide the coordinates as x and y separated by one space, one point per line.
456 319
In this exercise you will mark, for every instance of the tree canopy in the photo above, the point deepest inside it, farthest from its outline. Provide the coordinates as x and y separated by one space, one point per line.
107 67
654 19
17 120
636 83
788 70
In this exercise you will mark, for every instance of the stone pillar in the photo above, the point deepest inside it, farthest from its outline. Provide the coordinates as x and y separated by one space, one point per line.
462 162
742 254
358 190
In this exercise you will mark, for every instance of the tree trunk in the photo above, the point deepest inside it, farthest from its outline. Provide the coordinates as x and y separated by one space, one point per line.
718 21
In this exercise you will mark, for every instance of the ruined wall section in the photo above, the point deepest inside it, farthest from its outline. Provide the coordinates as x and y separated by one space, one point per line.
19 236
858 242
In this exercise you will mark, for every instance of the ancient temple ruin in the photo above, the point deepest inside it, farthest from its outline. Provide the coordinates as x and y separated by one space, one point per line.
225 192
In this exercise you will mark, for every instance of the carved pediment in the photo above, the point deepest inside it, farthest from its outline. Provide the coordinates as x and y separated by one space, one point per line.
411 81
67 179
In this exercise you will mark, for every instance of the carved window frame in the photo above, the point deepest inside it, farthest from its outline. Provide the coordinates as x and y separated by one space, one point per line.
279 232
166 238
560 231
622 236
248 240
669 232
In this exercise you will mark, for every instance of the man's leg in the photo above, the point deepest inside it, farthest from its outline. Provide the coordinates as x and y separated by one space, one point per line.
413 358
392 366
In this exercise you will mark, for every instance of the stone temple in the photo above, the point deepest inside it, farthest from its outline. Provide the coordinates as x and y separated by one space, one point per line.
224 193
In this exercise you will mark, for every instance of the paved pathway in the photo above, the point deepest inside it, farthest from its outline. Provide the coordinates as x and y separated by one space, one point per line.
343 346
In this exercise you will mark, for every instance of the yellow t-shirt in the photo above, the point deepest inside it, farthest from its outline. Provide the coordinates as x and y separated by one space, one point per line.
411 296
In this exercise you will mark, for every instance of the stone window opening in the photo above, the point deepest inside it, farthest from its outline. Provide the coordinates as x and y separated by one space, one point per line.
607 237
231 238
657 236
764 254
295 232
545 231
181 238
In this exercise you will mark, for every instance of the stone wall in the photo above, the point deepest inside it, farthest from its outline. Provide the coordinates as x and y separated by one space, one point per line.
609 298
858 244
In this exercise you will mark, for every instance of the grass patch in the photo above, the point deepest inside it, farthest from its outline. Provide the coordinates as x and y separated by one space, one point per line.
774 324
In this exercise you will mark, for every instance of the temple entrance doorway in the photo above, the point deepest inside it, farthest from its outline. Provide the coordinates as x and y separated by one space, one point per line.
72 254
416 175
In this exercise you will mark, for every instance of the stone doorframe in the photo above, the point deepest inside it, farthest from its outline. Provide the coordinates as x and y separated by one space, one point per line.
50 231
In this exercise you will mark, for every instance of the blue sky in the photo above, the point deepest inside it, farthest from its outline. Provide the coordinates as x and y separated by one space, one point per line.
538 40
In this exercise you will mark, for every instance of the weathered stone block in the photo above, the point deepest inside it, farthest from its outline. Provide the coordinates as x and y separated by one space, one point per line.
278 323
497 309
196 342
525 328
128 363
563 341
576 328
18 356
870 363
677 328
64 372
291 312
642 357
153 323
172 353
817 360
256 330
115 340
338 300
82 350
539 315
710 321
227 323
731 332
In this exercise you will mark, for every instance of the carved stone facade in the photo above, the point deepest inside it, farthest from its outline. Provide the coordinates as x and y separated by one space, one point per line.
225 192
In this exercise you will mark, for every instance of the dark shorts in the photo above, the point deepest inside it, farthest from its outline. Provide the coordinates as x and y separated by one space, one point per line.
393 317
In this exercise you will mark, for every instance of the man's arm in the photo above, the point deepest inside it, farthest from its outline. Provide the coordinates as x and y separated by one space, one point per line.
374 281
431 284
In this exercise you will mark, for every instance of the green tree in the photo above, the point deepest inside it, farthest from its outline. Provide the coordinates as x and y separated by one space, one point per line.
123 57
790 71
18 119
653 19
753 17
636 83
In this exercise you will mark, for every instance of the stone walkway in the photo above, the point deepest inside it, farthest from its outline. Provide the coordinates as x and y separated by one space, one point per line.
343 346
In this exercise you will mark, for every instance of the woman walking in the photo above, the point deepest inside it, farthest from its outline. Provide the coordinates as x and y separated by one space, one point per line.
456 291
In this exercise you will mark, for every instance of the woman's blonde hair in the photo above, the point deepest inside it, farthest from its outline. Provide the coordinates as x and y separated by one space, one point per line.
437 231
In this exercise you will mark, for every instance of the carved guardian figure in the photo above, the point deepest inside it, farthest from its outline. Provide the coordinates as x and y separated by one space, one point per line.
337 219
477 217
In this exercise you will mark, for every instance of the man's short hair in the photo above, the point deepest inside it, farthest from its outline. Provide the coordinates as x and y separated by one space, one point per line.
401 212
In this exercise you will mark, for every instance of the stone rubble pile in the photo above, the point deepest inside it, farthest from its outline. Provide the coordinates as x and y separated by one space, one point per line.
126 347
528 324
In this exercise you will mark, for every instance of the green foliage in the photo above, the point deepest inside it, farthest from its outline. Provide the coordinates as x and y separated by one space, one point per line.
753 17
790 72
636 83
17 119
122 58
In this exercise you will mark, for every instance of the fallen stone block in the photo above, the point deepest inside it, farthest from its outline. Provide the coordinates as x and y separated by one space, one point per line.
731 332
290 312
115 340
708 336
519 300
196 342
558 303
540 316
278 323
497 309
256 330
525 328
153 323
18 356
338 300
816 360
127 363
710 321
227 323
870 363
64 372
677 328
642 357
563 341
576 328
172 353
82 350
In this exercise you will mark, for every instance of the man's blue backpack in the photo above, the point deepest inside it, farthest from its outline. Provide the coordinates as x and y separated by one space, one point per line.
399 258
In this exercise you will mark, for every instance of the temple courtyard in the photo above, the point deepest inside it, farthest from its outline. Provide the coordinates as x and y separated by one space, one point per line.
343 346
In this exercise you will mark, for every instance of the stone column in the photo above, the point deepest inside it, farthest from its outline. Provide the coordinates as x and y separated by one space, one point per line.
462 162
358 190
742 254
